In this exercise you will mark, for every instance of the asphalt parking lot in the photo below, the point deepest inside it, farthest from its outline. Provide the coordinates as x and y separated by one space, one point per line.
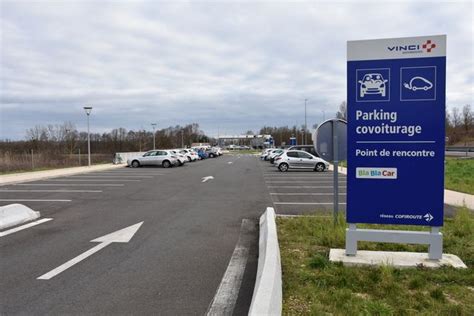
174 263
300 192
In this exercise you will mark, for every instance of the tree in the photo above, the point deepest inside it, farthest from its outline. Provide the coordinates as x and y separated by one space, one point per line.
342 113
467 118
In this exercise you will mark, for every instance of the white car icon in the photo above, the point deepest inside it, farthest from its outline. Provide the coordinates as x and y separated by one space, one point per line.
418 83
373 83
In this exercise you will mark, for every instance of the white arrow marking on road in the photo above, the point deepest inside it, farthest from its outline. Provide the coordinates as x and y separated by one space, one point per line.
230 162
124 235
204 179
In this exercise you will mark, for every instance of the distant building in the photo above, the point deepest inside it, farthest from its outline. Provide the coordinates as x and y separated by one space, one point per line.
254 141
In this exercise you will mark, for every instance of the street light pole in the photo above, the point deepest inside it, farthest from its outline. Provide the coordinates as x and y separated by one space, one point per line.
154 144
88 110
305 123
182 138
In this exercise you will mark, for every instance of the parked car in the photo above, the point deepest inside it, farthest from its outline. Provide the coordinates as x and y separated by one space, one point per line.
182 159
265 153
212 152
308 148
202 154
190 154
267 156
164 158
299 159
274 154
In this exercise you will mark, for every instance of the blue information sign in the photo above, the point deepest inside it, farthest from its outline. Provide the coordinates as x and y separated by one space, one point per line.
396 134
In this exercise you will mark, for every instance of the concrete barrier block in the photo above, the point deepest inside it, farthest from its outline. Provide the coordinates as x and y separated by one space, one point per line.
15 214
267 294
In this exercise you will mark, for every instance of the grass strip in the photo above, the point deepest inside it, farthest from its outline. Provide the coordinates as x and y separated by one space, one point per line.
459 175
314 286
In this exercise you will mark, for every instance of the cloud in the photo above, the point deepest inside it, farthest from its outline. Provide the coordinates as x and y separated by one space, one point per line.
230 66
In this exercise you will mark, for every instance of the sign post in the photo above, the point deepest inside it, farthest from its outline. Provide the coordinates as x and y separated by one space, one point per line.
330 142
396 136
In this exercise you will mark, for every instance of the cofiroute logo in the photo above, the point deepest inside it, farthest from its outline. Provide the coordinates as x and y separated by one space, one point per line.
427 47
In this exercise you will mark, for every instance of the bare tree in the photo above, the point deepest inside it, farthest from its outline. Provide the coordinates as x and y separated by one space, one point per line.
342 113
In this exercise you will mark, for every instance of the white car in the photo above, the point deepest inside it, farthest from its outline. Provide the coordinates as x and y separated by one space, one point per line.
299 159
181 158
190 154
373 84
164 158
265 153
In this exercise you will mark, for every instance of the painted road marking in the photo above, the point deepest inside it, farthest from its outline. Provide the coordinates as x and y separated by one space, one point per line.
80 180
303 187
228 291
73 185
205 179
32 200
109 177
16 229
58 191
306 203
275 193
123 236
304 181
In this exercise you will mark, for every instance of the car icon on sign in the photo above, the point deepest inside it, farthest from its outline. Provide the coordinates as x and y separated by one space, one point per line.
418 83
373 83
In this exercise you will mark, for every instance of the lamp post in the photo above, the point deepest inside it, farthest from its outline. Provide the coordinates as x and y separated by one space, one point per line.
88 110
154 126
305 123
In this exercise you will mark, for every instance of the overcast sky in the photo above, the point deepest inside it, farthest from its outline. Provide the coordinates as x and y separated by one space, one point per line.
231 66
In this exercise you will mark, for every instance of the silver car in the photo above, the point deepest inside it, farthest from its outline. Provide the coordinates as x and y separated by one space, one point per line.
164 158
299 159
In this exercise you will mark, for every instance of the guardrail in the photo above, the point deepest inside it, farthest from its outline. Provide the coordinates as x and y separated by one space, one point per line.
267 294
460 148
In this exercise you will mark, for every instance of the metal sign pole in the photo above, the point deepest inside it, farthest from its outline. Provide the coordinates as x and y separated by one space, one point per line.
335 146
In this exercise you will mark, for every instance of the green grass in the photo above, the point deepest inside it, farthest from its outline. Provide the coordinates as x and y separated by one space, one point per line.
459 175
314 286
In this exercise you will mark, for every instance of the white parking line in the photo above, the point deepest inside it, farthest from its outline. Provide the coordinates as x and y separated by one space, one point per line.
16 229
305 203
293 181
303 187
58 191
79 180
73 184
228 291
275 193
32 200
110 177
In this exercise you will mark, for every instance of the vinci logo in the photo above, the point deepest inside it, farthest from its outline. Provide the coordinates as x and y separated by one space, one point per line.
376 173
428 46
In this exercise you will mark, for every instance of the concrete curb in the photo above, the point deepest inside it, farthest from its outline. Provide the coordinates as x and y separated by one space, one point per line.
450 197
40 175
15 214
267 294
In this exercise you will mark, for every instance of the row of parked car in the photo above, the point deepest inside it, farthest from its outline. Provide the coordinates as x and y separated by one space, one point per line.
296 157
173 157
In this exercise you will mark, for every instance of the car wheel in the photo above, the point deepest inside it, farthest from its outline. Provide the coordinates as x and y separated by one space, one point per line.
283 167
319 167
166 164
189 159
135 164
